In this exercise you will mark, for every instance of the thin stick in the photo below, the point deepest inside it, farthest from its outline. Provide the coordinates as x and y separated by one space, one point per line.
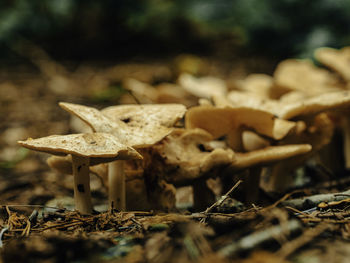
253 240
289 247
40 206
223 198
314 200
284 198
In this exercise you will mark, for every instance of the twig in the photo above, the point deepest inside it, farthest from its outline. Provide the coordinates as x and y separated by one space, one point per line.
299 213
40 206
284 198
33 216
306 237
133 96
334 214
312 201
223 198
26 230
5 229
251 241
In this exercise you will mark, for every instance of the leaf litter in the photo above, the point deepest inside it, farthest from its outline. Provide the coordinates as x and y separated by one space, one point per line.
289 222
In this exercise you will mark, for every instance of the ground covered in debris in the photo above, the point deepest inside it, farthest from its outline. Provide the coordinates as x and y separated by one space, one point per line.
37 218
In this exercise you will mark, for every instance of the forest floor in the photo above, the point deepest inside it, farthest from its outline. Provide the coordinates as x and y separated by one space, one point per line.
37 218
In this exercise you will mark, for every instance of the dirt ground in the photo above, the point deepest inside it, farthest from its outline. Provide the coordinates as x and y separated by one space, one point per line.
37 218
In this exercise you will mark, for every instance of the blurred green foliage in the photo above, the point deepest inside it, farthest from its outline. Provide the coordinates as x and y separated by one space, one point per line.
80 28
111 94
21 154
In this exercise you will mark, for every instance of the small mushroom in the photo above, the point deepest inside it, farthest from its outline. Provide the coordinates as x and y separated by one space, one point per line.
318 133
137 126
85 150
205 87
137 196
336 104
245 99
231 121
304 76
185 158
255 160
172 93
313 106
252 141
338 60
259 85
143 92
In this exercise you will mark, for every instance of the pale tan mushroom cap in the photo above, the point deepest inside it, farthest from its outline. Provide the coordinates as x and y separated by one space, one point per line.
144 92
185 160
222 121
245 99
93 117
146 115
252 141
258 84
338 60
204 87
269 155
133 125
97 145
146 124
315 105
304 76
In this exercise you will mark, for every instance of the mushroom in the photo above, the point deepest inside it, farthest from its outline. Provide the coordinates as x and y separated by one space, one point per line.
204 87
231 121
255 160
338 60
252 141
182 158
86 149
143 92
257 85
313 106
137 196
304 76
172 93
186 157
249 100
137 126
318 133
336 104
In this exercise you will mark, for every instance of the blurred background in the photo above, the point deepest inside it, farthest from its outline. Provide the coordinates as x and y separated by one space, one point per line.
107 30
94 52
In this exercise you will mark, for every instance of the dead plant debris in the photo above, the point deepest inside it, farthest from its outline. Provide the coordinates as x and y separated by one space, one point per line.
205 186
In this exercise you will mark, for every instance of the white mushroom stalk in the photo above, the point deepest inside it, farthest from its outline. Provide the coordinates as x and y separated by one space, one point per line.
85 149
116 178
82 194
134 125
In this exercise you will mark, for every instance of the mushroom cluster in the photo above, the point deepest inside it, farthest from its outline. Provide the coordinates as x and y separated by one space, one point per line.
230 129
314 100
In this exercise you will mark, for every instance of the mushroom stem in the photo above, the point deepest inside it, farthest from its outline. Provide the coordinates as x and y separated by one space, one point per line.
203 197
82 195
116 184
252 185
